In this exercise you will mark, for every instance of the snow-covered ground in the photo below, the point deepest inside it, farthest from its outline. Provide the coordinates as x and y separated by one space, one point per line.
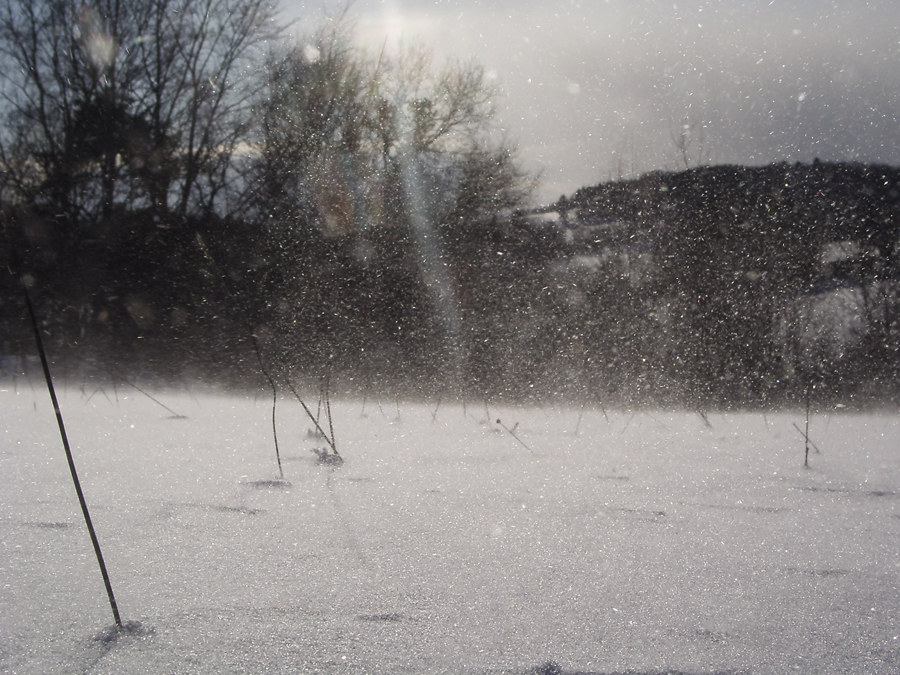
641 542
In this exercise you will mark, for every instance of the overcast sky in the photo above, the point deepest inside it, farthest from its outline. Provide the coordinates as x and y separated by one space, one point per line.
597 89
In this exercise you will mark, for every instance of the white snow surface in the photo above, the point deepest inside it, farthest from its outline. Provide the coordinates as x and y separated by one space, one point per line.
640 542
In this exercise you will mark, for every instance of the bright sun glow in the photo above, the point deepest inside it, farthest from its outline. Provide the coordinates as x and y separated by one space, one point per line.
395 30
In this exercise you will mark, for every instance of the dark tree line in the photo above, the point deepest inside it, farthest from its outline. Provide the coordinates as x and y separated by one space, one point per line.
121 125
176 177
172 188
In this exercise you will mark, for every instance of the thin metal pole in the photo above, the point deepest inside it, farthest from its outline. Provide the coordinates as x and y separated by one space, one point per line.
71 461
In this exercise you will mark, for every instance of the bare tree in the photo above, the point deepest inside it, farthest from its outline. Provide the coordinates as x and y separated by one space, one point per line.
366 163
335 125
315 131
690 142
138 105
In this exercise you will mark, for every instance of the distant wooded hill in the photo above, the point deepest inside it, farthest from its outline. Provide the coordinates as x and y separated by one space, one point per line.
716 286
738 283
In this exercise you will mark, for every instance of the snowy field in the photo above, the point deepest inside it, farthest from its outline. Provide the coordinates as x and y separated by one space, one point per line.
639 542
